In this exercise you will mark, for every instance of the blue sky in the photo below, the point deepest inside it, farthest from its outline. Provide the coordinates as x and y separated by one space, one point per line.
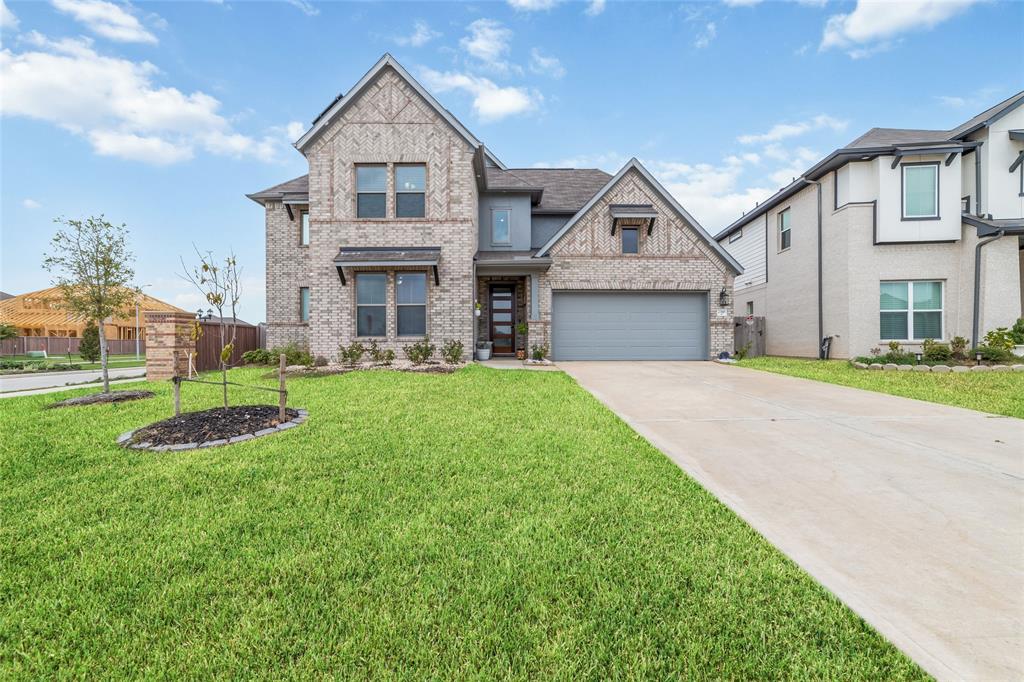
163 115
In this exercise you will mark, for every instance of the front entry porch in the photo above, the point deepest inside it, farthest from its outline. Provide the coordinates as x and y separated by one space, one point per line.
504 313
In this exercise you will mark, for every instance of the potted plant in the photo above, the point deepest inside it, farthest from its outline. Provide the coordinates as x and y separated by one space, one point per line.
483 350
477 308
521 330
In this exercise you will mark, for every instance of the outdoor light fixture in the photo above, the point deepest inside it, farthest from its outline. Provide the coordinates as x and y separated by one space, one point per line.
723 297
977 357
200 315
918 356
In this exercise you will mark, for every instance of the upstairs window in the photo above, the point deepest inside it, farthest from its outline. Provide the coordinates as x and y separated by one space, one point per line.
371 304
910 311
785 235
630 240
410 191
371 191
501 231
735 236
304 228
920 191
304 304
411 301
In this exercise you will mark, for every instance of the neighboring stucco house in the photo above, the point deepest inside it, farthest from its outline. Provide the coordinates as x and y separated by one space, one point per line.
406 226
901 235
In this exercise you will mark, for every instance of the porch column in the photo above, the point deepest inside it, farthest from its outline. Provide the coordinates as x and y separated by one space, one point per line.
534 298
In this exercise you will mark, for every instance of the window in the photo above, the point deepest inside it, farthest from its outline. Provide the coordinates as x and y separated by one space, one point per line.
735 236
910 310
785 236
630 240
501 231
304 228
371 300
920 191
411 301
304 304
371 191
410 191
750 307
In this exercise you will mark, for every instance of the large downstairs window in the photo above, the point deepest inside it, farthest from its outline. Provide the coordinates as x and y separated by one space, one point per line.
411 302
410 191
371 191
371 304
920 191
910 310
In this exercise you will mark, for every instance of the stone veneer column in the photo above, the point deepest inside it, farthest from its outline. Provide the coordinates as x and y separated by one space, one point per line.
168 343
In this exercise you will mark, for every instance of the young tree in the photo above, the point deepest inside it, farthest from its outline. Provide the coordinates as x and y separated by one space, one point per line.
92 266
7 331
221 285
89 347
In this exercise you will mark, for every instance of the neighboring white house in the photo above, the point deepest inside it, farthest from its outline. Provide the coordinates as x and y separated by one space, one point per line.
901 235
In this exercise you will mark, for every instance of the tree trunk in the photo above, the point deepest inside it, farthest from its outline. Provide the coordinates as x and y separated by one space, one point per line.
103 357
223 365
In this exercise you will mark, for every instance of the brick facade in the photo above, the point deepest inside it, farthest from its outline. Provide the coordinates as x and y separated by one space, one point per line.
168 344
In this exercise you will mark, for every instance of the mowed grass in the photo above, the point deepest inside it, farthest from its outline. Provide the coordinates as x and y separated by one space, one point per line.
485 524
112 362
993 392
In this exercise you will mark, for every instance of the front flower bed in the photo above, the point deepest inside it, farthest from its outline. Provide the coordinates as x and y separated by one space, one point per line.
209 428
429 367
893 367
102 398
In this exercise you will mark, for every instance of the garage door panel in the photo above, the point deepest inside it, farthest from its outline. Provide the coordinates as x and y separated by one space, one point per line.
629 326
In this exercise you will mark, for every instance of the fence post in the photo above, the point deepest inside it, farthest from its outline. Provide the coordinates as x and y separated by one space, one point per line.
283 395
177 395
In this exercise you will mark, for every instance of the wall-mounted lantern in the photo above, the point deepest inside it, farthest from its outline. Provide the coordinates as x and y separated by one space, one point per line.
723 297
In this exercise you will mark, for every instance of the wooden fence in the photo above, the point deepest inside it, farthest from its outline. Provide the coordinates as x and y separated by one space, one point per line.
751 330
209 345
62 345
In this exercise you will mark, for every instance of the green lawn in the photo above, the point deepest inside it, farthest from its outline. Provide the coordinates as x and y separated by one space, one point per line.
994 392
113 361
485 524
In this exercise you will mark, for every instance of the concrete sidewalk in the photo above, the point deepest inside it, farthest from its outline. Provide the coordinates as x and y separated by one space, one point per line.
910 512
20 383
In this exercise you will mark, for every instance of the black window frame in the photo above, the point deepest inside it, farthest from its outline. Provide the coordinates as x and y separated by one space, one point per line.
622 238
422 193
382 193
382 306
304 227
788 231
903 190
399 305
305 298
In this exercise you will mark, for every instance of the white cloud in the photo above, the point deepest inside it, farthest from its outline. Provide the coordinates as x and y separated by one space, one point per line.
294 130
871 25
490 101
532 5
488 41
985 97
307 8
711 193
812 3
781 131
31 204
594 8
543 64
741 3
115 104
7 18
106 19
705 37
420 36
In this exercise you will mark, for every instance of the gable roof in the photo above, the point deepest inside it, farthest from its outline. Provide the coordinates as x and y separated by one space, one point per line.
296 187
40 309
342 102
634 164
882 142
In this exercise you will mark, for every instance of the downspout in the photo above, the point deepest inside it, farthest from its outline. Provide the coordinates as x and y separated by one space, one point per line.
821 315
977 284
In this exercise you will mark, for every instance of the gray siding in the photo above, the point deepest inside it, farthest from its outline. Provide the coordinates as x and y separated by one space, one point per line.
545 227
519 223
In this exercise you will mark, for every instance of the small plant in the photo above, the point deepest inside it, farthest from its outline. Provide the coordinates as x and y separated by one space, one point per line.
319 361
958 347
352 353
452 351
378 355
895 347
741 353
897 355
538 351
1000 337
420 352
875 352
257 356
994 353
89 347
934 351
1017 332
294 355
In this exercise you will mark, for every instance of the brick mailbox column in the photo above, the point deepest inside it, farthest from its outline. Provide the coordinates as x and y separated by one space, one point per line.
168 343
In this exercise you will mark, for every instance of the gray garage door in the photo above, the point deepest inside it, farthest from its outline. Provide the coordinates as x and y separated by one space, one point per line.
629 326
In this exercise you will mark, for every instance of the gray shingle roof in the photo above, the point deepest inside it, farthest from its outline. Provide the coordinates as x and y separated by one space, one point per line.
565 189
971 125
886 137
299 185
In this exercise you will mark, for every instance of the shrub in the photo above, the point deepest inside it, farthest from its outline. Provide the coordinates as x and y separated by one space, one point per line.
1017 332
934 351
958 347
320 361
540 351
257 356
875 352
89 347
994 353
897 355
451 351
351 354
381 356
294 354
1000 337
420 352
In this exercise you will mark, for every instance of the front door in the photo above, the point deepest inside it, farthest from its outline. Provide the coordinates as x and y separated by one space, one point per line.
503 318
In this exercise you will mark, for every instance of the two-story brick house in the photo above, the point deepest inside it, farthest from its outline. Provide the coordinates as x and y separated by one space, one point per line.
407 226
901 235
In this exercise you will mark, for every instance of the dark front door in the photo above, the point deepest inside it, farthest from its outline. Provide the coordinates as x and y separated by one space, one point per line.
503 318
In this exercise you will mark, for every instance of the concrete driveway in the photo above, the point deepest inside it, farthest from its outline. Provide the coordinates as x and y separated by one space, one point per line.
912 513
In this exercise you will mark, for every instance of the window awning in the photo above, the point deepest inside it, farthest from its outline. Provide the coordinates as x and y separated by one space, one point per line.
633 215
388 256
1017 135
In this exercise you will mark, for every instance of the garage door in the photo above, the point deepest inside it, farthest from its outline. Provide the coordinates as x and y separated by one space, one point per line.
629 325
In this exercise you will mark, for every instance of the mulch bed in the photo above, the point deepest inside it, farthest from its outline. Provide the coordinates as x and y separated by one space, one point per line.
211 425
99 398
